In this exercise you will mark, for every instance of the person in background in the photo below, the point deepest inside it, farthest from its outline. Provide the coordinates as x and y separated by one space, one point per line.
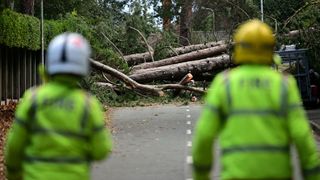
257 114
58 128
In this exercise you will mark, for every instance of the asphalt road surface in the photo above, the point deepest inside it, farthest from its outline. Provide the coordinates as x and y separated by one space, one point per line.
154 143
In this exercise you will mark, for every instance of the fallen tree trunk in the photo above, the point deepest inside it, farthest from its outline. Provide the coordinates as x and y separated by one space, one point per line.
159 87
155 90
139 58
201 54
177 71
128 81
187 49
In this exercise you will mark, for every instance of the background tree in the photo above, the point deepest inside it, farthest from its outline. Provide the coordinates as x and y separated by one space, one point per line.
185 22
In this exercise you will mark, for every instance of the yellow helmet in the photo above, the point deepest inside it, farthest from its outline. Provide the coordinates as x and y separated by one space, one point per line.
254 43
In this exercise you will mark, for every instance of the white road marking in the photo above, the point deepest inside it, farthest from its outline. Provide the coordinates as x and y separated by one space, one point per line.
189 179
188 116
188 110
189 160
188 122
189 143
189 131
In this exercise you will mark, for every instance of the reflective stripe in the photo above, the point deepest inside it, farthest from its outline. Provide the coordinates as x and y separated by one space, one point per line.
33 108
85 116
38 130
98 128
284 95
310 172
21 122
72 160
201 168
261 148
213 108
228 90
260 112
295 106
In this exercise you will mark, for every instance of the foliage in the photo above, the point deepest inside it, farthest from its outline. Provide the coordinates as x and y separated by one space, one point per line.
166 45
141 22
17 30
308 21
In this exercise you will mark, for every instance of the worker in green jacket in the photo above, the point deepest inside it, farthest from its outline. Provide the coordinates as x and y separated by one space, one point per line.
257 114
58 128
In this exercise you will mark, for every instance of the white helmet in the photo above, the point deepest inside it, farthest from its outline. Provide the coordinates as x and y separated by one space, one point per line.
68 53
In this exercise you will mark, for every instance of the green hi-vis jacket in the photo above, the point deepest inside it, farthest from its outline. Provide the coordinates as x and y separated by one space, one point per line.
257 114
58 130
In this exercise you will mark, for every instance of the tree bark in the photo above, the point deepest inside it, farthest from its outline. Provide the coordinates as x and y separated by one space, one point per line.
155 90
204 53
139 58
185 80
128 81
166 16
185 22
177 71
27 7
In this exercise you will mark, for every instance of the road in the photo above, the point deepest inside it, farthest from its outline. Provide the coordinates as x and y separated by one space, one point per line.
154 143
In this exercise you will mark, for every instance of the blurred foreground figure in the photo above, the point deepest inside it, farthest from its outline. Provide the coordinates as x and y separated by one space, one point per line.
58 129
257 114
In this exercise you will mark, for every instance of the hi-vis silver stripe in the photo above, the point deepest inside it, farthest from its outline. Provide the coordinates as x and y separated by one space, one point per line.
71 160
55 132
260 112
256 148
226 80
284 95
213 108
85 115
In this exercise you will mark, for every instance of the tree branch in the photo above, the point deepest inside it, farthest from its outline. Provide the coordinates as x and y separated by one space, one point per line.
298 11
118 50
150 49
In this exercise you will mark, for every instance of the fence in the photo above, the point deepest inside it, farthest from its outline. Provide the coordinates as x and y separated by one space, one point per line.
18 72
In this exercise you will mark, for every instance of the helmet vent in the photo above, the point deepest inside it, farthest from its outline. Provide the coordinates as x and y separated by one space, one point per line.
64 50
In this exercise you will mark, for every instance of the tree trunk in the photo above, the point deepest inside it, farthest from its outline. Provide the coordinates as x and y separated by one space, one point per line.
128 81
156 90
166 16
177 71
138 58
134 59
27 7
204 53
185 22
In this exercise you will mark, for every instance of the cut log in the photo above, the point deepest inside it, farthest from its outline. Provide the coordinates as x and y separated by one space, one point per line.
177 71
139 58
185 80
201 54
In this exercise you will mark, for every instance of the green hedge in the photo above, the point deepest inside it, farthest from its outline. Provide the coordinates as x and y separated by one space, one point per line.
18 30
23 31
